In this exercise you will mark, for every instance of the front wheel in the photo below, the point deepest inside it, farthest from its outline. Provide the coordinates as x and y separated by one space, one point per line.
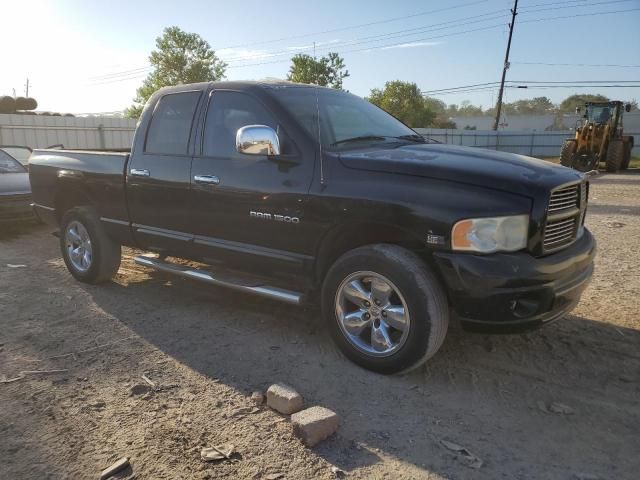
566 153
627 155
385 308
615 155
89 253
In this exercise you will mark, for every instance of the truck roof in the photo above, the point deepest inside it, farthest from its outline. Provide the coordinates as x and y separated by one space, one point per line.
240 85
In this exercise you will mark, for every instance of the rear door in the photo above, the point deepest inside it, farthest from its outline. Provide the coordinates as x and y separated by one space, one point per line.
159 174
253 216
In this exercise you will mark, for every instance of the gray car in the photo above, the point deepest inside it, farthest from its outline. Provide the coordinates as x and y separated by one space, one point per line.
15 191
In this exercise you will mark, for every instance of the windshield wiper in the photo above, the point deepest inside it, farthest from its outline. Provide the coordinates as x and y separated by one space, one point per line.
413 138
361 137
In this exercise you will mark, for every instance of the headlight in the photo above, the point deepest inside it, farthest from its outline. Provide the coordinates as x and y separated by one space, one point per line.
488 235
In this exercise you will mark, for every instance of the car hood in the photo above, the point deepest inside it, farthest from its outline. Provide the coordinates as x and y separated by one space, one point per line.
485 168
14 183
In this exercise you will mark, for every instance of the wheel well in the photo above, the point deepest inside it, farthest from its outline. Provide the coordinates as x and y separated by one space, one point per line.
343 238
67 197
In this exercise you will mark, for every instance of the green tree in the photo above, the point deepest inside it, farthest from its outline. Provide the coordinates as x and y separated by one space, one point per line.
328 71
404 101
569 104
467 109
180 57
441 119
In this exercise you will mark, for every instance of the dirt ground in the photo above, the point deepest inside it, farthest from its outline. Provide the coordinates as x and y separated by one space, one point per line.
558 403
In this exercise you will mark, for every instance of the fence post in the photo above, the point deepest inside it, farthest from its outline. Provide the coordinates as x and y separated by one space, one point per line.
497 139
101 139
533 138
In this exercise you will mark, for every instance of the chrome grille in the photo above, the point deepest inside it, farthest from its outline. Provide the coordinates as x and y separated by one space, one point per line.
564 198
564 215
559 233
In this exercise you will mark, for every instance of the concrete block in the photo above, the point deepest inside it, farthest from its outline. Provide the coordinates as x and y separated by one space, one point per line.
314 424
284 399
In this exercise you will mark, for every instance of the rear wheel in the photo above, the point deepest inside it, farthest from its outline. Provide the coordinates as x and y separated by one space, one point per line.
566 153
89 253
627 155
615 155
385 309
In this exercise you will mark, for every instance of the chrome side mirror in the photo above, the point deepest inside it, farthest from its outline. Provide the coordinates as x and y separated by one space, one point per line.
257 140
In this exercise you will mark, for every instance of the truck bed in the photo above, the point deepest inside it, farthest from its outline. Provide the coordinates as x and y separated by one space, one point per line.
58 177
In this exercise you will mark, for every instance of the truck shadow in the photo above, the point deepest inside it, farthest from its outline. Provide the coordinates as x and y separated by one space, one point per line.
496 396
11 231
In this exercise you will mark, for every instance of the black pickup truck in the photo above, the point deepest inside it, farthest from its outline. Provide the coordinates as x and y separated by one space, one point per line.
301 193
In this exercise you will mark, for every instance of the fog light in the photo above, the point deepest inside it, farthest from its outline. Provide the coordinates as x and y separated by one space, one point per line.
524 307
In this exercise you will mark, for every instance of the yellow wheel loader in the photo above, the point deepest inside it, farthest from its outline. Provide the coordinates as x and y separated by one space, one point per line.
599 138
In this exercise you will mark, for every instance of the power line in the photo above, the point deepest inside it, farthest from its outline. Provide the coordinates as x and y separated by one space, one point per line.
521 83
579 15
573 81
576 64
118 74
368 39
341 29
461 87
452 34
584 5
493 15
135 72
533 87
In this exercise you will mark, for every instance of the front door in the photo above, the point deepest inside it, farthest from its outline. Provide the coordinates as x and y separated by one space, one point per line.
248 210
159 176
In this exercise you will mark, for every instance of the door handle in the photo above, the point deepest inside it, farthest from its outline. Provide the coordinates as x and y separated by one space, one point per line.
138 172
206 179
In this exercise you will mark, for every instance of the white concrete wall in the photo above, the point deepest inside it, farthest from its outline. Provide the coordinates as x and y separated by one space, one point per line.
536 123
37 131
532 143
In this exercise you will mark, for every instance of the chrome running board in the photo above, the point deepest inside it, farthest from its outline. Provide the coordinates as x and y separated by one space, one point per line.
256 288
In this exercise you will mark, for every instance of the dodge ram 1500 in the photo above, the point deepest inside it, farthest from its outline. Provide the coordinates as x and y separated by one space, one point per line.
303 194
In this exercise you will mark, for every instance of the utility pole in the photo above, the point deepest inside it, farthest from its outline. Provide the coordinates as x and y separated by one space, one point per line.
26 88
514 12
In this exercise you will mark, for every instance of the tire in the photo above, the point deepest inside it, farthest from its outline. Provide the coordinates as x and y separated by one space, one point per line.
414 287
615 155
566 153
628 146
103 260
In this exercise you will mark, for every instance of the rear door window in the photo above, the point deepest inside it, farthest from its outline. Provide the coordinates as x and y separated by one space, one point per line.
171 122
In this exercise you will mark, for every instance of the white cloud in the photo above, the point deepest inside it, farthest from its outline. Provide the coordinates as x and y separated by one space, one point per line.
412 45
234 54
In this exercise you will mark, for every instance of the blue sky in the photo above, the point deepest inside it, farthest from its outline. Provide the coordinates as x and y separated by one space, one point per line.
74 51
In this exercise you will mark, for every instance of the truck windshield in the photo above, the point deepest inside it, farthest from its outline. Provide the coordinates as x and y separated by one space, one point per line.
345 119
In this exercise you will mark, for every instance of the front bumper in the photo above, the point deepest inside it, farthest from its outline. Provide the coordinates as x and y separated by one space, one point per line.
15 208
511 292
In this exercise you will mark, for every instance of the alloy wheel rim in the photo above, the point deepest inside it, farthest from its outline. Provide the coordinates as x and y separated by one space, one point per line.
78 245
372 314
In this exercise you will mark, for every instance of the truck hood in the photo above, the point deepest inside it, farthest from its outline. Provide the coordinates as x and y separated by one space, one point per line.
14 183
474 166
